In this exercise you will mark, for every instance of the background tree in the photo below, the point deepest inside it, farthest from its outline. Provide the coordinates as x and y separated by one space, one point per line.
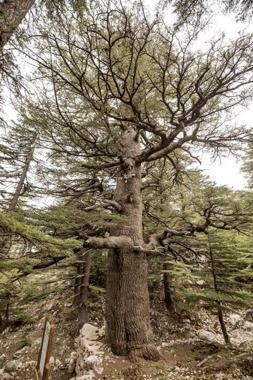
16 158
248 165
218 268
23 248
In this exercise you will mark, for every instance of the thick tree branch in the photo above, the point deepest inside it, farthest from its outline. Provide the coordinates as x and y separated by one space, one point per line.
115 242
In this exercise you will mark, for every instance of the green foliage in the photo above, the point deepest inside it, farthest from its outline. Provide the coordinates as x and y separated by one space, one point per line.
226 216
18 263
231 254
24 264
177 269
11 224
241 298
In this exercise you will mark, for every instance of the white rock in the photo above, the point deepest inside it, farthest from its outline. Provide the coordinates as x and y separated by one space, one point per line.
51 361
89 330
95 363
235 319
200 282
89 339
58 363
248 326
90 375
11 366
49 306
89 351
206 335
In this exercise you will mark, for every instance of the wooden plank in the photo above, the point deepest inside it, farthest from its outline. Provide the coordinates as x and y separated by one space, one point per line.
49 351
43 367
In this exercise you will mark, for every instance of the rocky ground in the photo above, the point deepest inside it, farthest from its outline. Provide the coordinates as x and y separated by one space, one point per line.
190 348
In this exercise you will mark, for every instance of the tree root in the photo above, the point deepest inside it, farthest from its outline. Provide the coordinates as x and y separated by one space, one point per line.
147 352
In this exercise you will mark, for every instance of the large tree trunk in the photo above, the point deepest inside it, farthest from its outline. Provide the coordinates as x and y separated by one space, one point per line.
127 303
11 14
82 286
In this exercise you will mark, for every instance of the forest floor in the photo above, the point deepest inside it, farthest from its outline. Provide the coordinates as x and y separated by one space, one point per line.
191 348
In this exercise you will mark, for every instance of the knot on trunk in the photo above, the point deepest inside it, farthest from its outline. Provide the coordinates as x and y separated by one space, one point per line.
146 351
127 166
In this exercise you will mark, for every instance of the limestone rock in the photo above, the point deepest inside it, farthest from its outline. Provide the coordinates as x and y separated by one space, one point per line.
248 326
247 345
94 362
235 320
88 376
89 352
11 366
58 363
207 335
51 361
89 330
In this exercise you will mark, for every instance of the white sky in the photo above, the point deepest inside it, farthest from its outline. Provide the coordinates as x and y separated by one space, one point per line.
224 171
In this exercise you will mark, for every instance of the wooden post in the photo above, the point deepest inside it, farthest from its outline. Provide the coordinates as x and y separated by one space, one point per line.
43 366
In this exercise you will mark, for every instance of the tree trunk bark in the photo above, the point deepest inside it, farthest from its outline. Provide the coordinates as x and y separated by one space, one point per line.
82 287
11 14
83 315
168 299
223 325
216 288
21 182
127 303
